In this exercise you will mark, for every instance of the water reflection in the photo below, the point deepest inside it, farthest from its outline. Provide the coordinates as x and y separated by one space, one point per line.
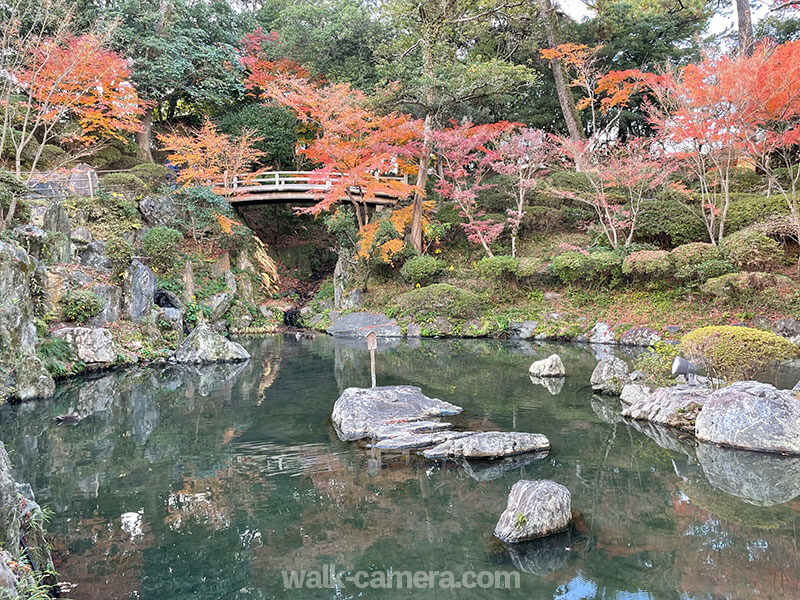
206 482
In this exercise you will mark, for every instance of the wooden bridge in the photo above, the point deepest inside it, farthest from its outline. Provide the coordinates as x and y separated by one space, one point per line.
284 187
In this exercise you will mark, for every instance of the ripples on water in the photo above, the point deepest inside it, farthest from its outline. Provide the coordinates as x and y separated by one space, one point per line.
207 482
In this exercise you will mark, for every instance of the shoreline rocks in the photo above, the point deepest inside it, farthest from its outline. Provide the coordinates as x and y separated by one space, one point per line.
535 509
610 376
359 324
676 406
203 345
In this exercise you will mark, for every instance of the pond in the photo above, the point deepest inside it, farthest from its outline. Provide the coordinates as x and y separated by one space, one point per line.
211 482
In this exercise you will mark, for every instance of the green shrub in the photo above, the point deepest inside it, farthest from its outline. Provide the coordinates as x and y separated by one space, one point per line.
82 305
746 180
735 353
105 158
593 270
752 251
127 162
755 290
656 364
56 355
747 209
151 175
52 157
693 254
577 181
439 299
124 183
497 267
120 253
693 274
160 244
543 219
648 265
421 270
667 222
274 124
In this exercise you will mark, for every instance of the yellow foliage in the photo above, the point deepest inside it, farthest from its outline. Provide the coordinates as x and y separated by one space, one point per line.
401 220
267 267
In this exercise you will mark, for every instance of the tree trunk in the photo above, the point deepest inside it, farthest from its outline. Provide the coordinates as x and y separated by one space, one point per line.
565 99
419 189
143 137
745 27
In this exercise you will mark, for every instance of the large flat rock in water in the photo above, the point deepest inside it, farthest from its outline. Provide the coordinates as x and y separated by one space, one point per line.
490 444
387 411
676 406
359 324
753 416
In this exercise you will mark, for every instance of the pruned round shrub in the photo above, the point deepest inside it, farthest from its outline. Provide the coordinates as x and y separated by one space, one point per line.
124 183
151 174
543 219
439 299
757 289
747 209
160 244
497 267
735 353
667 222
753 251
82 305
693 254
120 252
746 180
593 269
648 265
702 272
421 269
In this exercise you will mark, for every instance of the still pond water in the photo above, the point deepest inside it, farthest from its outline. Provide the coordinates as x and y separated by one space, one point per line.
209 482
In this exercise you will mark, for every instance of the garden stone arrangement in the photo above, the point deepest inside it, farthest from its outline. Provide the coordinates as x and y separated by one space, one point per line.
403 418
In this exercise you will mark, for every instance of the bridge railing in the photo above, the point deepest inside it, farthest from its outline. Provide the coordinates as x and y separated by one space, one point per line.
289 180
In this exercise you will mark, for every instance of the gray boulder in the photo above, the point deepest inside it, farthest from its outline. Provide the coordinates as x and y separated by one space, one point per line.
635 393
81 236
359 324
552 366
203 345
416 441
94 256
139 291
535 509
756 477
601 333
56 220
112 298
17 333
92 346
160 210
610 376
640 336
352 300
31 379
789 328
489 444
366 412
31 238
796 387
522 330
751 415
676 406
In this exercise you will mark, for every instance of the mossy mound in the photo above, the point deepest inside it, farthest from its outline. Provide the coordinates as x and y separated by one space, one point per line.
439 299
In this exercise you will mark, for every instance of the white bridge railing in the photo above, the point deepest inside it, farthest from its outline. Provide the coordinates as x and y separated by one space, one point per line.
300 181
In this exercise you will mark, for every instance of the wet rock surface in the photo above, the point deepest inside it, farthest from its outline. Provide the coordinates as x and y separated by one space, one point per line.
535 509
489 444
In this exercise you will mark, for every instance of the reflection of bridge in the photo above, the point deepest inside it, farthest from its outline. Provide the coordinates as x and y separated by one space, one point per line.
280 187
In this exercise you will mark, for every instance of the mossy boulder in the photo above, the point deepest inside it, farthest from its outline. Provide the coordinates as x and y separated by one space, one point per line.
439 299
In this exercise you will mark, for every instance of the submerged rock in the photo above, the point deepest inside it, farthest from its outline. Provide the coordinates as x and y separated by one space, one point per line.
365 412
203 345
542 556
751 415
676 406
359 324
92 346
490 444
756 477
552 366
610 376
535 509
